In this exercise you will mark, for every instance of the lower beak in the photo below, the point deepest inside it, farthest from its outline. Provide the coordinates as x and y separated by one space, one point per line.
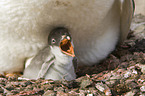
67 48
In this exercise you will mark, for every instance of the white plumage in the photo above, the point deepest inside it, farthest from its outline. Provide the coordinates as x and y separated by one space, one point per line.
95 26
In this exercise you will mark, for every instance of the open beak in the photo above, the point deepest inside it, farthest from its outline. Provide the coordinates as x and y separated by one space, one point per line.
66 47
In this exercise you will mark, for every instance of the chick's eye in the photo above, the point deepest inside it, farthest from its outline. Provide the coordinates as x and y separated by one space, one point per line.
53 40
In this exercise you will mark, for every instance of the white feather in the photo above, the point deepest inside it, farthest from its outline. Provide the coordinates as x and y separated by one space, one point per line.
25 25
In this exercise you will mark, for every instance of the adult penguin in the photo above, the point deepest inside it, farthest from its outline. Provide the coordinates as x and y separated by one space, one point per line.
96 27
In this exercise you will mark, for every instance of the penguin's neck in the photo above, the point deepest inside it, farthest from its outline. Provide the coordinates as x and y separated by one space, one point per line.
61 59
63 63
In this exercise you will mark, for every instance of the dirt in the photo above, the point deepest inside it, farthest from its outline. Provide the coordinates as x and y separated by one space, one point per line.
121 73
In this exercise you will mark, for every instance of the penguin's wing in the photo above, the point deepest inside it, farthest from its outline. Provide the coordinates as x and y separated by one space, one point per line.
45 67
32 70
75 63
127 11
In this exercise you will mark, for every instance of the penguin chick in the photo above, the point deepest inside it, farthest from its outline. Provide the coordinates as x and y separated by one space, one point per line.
55 61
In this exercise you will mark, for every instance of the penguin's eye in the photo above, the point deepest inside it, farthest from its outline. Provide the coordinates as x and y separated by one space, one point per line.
53 40
68 37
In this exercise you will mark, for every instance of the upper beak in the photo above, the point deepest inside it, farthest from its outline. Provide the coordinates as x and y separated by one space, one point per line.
66 47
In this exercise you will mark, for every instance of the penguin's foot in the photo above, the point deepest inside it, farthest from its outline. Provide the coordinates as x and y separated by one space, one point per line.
13 74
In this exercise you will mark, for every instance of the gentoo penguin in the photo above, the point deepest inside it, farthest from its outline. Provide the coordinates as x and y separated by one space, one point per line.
95 25
56 61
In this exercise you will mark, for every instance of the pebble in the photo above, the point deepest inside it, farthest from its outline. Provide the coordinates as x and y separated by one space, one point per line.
142 88
49 93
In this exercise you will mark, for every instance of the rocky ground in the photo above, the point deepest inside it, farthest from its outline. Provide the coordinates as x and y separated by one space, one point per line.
122 73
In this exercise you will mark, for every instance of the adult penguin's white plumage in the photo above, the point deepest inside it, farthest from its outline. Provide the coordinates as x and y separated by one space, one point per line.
95 25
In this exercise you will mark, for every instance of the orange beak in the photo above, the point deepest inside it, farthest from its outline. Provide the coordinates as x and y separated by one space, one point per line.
67 48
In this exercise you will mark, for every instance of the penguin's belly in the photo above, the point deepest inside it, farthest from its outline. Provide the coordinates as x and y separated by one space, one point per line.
24 28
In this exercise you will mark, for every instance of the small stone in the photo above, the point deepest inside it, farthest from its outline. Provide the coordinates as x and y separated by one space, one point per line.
40 92
28 88
127 74
111 83
12 78
49 93
15 91
134 71
104 88
62 94
100 87
140 80
82 92
142 88
58 89
130 84
9 87
130 93
73 92
28 82
108 92
89 94
92 90
115 77
47 87
9 94
86 83
1 90
2 76
18 88
3 81
143 69
16 84
79 80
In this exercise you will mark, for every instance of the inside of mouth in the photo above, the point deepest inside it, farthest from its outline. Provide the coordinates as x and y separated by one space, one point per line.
65 45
